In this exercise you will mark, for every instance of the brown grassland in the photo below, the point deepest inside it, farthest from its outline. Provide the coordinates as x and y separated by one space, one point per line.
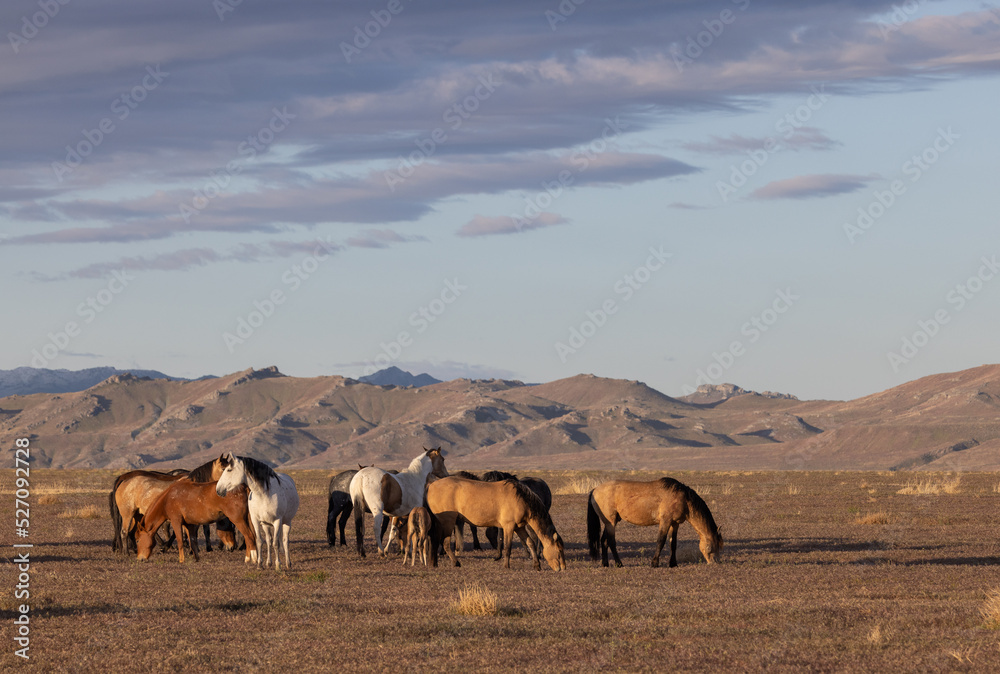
822 571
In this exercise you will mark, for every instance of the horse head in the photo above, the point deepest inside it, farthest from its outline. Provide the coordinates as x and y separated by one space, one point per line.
711 546
233 474
437 461
554 552
144 543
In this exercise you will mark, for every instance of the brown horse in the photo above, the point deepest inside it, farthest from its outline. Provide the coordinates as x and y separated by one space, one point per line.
418 536
135 491
188 505
508 505
665 502
131 496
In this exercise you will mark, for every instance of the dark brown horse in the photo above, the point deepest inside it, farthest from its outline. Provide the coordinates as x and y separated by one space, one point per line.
189 505
664 502
508 505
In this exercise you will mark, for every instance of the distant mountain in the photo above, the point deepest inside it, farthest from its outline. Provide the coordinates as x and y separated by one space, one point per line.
708 394
28 380
393 376
942 422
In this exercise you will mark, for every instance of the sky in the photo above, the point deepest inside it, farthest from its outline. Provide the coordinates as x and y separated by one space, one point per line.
795 197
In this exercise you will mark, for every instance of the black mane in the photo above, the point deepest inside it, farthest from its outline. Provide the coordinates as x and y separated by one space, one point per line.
498 476
259 471
202 473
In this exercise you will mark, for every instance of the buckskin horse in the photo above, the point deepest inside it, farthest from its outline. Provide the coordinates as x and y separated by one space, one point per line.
664 502
509 505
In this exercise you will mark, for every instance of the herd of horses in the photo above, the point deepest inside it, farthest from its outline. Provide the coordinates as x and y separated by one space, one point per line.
423 507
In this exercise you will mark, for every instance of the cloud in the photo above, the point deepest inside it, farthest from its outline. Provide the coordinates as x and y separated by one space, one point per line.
802 138
191 258
305 202
481 225
381 238
685 206
811 186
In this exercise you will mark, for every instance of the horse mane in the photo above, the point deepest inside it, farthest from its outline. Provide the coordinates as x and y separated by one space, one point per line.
498 476
259 471
699 515
202 473
536 508
467 475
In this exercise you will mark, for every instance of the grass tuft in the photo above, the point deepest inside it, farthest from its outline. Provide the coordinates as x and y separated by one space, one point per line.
794 489
477 599
49 499
880 517
90 512
878 636
991 609
932 487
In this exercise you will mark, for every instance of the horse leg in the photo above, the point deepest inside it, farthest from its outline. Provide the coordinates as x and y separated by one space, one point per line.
508 537
523 534
660 540
285 530
192 534
673 543
492 535
609 531
345 513
208 538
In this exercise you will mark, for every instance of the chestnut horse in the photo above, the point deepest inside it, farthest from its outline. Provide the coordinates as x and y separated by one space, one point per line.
509 505
665 502
135 491
189 505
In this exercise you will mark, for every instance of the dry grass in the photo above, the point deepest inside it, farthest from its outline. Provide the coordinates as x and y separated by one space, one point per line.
878 636
477 599
579 485
933 486
87 512
879 517
794 490
49 499
798 589
991 609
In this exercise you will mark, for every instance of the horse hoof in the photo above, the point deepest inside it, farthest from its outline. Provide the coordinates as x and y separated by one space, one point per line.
619 565
656 563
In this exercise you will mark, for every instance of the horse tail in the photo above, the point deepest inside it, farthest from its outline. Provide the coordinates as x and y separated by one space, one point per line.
331 522
116 520
435 534
593 526
359 521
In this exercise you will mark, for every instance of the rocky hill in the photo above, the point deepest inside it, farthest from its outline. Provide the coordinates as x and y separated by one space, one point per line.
943 422
28 380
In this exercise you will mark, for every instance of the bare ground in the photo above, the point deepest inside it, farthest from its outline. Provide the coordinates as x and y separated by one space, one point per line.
804 585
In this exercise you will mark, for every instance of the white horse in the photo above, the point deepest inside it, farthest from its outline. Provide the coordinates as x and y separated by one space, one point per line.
273 502
396 495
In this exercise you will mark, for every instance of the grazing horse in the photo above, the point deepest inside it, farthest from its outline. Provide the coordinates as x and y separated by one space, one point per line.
509 505
209 472
188 505
339 504
536 485
665 502
395 495
131 496
273 502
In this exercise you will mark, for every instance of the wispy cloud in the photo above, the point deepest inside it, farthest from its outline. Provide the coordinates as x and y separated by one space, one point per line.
482 225
802 138
811 186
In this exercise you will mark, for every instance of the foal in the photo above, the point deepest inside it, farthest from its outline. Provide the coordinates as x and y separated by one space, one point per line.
418 536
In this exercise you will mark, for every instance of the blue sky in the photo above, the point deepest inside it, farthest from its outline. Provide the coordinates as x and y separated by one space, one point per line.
788 197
